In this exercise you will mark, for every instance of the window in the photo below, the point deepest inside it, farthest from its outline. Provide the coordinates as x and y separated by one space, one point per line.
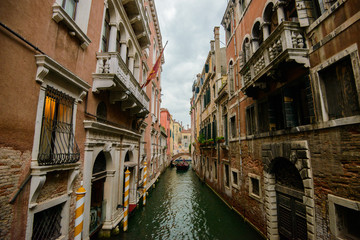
227 177
231 77
235 178
341 97
250 120
214 128
47 223
70 7
57 143
101 112
185 137
118 41
344 215
106 32
233 127
263 118
215 170
254 186
226 129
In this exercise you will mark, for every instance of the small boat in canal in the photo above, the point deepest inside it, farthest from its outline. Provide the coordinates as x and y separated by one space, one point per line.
172 163
182 166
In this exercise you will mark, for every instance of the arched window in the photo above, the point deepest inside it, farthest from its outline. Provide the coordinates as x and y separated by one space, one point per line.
106 32
101 111
118 41
290 11
246 50
270 18
257 36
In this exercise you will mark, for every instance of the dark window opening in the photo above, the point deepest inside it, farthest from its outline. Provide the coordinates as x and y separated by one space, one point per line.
106 33
227 183
235 178
347 221
101 111
233 126
340 89
255 186
250 120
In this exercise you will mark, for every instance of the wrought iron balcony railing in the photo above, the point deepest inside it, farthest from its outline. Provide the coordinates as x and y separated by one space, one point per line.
284 44
112 74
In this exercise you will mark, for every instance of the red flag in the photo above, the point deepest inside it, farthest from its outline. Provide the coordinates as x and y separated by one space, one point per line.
154 70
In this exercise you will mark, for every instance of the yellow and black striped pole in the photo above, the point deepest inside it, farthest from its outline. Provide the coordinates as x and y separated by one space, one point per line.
79 212
145 173
126 199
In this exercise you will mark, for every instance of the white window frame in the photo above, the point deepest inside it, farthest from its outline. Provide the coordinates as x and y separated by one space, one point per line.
78 27
230 127
351 51
251 189
237 186
65 215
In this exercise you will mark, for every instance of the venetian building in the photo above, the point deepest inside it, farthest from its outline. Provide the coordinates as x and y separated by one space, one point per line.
84 117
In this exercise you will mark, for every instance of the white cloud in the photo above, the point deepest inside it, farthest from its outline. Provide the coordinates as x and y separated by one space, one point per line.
188 26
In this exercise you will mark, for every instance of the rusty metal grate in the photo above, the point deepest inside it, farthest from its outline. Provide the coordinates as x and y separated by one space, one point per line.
57 143
47 223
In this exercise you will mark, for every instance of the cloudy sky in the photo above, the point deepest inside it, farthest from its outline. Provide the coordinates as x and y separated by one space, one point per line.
188 26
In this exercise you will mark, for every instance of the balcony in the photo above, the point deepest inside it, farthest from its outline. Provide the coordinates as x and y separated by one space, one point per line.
285 44
113 75
138 20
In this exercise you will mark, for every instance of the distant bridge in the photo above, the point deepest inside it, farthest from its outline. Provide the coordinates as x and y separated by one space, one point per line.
179 155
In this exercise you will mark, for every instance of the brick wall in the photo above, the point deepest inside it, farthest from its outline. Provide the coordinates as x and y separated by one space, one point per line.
13 169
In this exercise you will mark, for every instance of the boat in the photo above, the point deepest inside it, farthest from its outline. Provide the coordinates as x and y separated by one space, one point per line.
182 166
172 163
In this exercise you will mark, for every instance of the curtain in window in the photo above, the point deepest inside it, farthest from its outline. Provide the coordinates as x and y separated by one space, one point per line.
57 144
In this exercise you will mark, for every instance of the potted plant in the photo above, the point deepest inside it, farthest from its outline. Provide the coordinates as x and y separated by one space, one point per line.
210 141
220 139
201 140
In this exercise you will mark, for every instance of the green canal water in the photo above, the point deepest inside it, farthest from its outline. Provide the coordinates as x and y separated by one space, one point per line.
181 207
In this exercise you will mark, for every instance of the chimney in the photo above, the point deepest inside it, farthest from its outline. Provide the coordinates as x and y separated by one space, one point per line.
217 51
212 46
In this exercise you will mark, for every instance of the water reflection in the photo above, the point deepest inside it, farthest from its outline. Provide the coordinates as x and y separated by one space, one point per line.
182 207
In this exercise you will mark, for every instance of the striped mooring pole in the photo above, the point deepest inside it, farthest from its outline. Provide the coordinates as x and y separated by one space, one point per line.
79 212
145 173
126 200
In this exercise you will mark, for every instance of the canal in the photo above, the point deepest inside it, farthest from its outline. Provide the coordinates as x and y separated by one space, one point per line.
182 207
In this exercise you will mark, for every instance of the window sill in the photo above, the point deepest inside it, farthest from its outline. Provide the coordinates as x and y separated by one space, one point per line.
256 197
59 15
310 127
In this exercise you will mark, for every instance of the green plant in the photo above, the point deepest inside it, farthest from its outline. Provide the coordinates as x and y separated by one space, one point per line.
220 139
201 138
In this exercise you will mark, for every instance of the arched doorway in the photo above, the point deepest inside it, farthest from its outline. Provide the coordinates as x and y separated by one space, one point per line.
97 208
289 197
289 190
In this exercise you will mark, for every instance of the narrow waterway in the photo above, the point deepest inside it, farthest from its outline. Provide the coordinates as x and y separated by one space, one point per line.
182 207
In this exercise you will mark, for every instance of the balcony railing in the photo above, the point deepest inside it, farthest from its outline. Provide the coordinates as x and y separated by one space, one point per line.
112 74
284 44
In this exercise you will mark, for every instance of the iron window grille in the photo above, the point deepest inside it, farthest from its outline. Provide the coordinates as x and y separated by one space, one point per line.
47 223
57 143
